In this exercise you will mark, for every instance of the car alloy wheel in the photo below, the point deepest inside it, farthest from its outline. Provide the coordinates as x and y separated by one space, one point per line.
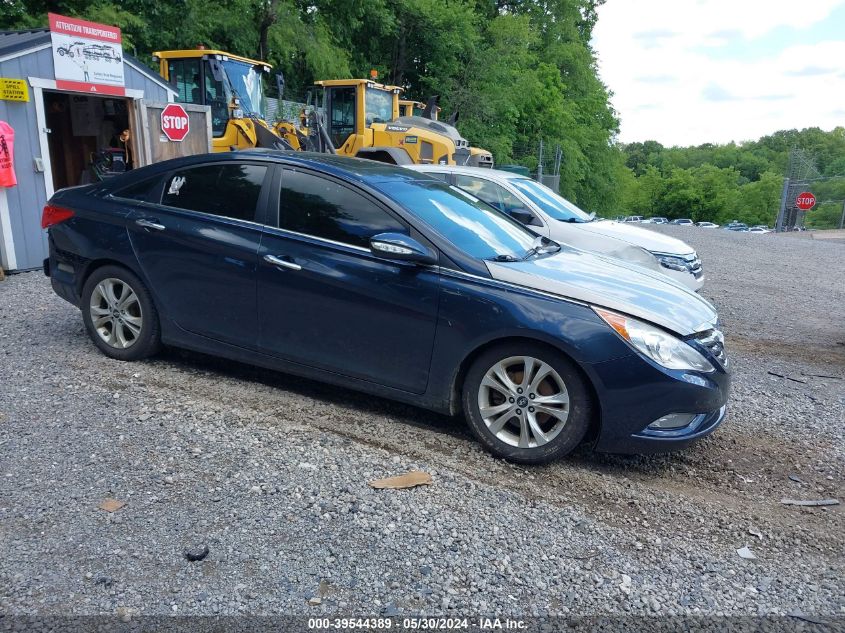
523 401
116 313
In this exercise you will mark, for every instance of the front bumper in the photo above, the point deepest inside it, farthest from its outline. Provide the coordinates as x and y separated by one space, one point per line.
634 392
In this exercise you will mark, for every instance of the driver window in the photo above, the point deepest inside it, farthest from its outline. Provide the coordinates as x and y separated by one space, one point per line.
215 97
498 197
341 102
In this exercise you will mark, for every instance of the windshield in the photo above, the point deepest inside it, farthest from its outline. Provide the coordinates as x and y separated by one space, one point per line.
246 81
473 226
379 105
554 206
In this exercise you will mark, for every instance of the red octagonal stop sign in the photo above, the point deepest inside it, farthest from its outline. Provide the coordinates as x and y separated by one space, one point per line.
174 122
805 201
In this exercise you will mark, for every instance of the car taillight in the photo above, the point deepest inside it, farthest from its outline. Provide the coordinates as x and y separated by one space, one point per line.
54 215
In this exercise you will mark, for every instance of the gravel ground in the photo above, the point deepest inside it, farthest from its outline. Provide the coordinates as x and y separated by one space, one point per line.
270 472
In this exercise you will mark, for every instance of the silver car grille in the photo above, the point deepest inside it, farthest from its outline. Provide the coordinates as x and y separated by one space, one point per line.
714 342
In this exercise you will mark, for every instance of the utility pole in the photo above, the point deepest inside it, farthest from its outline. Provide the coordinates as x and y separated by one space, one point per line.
540 164
782 213
842 219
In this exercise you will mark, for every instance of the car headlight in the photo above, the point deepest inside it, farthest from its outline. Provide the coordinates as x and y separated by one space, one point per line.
660 346
673 263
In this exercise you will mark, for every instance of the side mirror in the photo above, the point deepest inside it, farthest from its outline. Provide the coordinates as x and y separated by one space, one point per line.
403 248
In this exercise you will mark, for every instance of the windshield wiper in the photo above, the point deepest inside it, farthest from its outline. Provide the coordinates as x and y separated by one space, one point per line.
541 244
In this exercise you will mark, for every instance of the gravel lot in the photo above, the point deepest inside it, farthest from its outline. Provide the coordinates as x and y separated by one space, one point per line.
270 472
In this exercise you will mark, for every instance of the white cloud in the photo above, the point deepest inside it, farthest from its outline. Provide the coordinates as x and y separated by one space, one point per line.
679 75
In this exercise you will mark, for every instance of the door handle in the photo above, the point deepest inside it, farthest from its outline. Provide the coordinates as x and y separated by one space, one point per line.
149 224
281 263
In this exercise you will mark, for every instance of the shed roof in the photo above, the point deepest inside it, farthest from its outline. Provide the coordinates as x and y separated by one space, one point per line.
15 41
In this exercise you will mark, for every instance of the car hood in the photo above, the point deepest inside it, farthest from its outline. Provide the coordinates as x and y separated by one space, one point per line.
607 282
573 235
649 240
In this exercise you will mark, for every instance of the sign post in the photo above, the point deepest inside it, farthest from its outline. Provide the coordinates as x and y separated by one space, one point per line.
805 201
174 122
87 57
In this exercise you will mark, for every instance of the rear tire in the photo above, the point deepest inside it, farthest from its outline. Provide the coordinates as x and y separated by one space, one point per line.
527 403
119 314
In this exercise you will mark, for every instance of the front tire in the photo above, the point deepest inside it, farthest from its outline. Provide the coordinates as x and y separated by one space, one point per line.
119 314
526 403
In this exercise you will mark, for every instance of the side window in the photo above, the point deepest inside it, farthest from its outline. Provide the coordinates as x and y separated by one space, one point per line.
185 77
499 198
481 189
230 190
319 207
147 190
437 174
341 114
215 97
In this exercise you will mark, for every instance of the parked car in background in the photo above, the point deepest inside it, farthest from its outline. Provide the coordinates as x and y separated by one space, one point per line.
759 229
548 214
380 279
633 218
706 225
656 221
737 226
682 222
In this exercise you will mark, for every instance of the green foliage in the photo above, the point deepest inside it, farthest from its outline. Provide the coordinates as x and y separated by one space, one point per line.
720 183
515 71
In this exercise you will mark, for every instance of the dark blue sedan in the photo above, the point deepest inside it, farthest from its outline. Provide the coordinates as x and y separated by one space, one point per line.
388 281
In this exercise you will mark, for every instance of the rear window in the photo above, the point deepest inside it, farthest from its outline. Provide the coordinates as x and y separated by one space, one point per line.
228 190
147 190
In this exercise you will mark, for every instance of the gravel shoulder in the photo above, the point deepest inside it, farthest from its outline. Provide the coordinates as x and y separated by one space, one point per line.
271 472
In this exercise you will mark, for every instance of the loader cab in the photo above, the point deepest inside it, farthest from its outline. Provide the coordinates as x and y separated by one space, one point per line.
415 108
232 86
352 106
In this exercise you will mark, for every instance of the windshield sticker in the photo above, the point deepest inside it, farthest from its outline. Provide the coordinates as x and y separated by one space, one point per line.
176 185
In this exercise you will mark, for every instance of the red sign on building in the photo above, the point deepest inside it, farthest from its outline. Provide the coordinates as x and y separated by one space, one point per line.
87 57
174 122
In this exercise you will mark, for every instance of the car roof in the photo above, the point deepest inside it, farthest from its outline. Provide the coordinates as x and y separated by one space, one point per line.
355 169
469 171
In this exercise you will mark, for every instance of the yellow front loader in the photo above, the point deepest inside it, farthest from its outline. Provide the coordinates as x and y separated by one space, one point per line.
363 119
232 86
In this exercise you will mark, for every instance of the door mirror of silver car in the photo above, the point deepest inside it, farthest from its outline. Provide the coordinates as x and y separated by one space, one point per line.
399 247
523 216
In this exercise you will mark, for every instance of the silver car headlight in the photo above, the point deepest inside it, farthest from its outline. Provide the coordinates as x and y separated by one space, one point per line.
658 345
673 263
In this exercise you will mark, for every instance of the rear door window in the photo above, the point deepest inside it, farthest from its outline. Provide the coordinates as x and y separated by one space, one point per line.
319 207
229 190
147 190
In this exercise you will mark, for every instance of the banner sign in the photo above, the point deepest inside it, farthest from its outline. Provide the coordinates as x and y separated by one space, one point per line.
13 90
87 57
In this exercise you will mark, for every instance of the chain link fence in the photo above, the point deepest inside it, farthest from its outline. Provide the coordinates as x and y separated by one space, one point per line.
539 160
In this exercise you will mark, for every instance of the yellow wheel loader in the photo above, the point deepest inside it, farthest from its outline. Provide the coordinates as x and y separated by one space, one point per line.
233 88
478 157
362 119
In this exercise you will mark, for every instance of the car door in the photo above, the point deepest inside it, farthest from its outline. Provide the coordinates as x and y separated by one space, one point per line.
197 245
500 198
326 301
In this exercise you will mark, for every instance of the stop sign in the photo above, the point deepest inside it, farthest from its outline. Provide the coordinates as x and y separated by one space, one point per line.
174 122
805 201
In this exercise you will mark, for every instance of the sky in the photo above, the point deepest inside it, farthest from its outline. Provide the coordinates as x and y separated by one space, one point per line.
687 72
